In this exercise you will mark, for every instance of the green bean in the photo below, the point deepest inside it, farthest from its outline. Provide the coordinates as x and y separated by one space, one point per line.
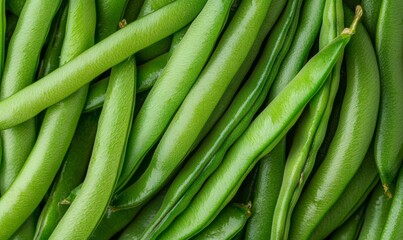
3 37
351 228
11 24
227 224
96 95
267 187
15 6
66 79
132 10
392 228
154 115
195 110
352 197
389 49
90 204
51 59
27 229
71 174
272 15
141 222
109 14
370 16
375 214
258 139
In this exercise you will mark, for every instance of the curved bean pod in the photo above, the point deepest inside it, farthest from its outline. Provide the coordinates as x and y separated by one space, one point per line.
227 224
70 77
259 138
376 214
371 15
389 133
184 66
345 155
195 110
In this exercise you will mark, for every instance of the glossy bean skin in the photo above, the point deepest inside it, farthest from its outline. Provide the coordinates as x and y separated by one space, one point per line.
141 222
259 138
195 110
376 214
109 14
154 115
132 10
91 202
370 16
70 175
70 77
394 221
351 199
227 224
351 228
344 156
389 49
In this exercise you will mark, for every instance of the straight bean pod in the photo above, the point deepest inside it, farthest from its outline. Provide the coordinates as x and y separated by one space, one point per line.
389 133
154 115
351 140
91 202
194 111
259 138
70 77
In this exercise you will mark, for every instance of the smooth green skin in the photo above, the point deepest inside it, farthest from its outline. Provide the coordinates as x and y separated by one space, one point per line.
389 49
199 103
351 199
159 47
271 17
227 224
71 174
147 74
69 78
300 161
51 60
351 228
267 187
370 17
142 221
392 228
19 71
259 138
184 67
132 10
15 6
109 14
27 230
171 208
91 202
351 140
376 214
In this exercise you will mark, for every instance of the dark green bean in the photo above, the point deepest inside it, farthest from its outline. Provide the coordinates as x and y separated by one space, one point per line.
351 228
15 6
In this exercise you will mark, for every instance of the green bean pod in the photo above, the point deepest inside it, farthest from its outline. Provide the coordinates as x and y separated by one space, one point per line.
351 228
70 77
394 221
91 202
141 222
345 155
227 224
199 103
109 14
184 66
259 138
132 10
376 214
352 197
3 32
371 15
15 6
71 174
11 24
389 49
51 59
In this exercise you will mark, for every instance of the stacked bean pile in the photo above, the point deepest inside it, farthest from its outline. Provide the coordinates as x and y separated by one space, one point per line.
202 119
